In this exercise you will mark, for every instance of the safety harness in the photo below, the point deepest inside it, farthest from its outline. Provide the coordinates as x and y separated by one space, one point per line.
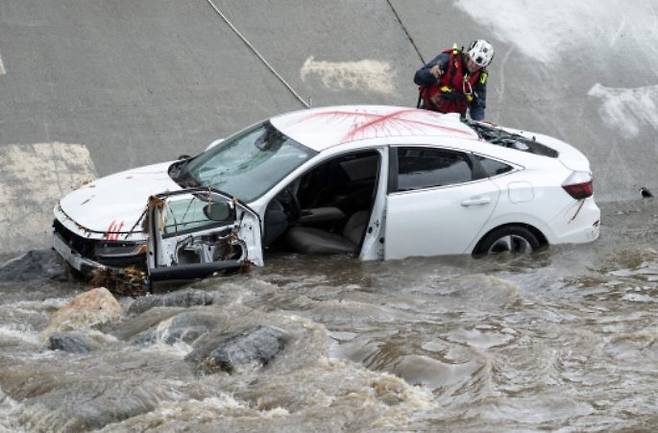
453 92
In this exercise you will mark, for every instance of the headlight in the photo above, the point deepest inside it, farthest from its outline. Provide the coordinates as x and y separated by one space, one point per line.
119 249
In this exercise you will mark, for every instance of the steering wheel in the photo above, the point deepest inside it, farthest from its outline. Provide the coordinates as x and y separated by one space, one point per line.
291 205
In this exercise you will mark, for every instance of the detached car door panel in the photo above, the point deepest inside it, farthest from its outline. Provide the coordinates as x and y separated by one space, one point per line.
196 232
437 202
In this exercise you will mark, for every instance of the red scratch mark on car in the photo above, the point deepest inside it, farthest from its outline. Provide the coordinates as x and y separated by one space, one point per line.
374 124
112 233
116 236
109 230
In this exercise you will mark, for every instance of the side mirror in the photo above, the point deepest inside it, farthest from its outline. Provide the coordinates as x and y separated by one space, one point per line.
218 211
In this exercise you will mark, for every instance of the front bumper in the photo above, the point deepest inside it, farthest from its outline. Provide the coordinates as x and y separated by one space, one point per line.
83 253
72 257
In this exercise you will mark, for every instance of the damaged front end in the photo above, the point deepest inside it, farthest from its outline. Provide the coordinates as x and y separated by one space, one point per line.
197 232
87 250
184 235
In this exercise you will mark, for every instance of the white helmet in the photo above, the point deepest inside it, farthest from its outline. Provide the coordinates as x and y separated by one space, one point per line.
481 52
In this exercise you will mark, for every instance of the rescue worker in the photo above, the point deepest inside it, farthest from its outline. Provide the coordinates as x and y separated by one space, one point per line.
456 81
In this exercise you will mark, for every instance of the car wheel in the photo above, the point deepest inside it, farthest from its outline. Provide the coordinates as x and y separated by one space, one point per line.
510 239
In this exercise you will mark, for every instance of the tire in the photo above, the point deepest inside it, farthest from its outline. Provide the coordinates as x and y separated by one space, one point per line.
513 239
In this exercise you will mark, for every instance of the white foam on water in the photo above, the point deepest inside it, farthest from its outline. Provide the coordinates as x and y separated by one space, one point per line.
8 414
627 110
412 397
207 410
226 402
637 297
179 349
20 333
369 75
550 30
46 304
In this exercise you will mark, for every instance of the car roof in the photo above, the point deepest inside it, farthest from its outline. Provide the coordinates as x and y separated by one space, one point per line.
325 127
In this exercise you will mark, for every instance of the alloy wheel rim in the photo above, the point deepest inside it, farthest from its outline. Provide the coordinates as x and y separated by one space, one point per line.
514 244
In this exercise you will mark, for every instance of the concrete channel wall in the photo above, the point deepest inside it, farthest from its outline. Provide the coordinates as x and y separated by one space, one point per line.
91 87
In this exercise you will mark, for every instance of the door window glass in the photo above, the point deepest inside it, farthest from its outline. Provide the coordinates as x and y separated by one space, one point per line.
189 213
424 167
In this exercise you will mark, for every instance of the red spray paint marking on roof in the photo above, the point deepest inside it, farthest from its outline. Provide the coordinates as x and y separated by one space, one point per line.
376 123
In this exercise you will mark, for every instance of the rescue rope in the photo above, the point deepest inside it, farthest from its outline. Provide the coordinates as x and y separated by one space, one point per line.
406 32
259 55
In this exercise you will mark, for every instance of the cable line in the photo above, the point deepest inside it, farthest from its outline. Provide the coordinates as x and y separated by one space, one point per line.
406 32
259 55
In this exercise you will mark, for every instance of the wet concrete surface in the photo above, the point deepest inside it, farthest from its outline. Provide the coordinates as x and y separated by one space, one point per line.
564 340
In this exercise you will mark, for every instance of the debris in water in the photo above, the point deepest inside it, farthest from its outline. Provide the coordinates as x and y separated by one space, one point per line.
125 282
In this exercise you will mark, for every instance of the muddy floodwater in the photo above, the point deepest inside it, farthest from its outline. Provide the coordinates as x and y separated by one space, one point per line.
565 340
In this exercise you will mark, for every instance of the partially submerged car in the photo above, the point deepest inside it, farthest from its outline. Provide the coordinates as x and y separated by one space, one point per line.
377 182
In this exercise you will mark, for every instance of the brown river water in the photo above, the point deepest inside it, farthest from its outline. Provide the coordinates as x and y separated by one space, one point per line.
565 340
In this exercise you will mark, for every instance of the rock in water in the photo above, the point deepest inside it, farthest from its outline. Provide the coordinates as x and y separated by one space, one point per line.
69 342
259 345
91 308
187 298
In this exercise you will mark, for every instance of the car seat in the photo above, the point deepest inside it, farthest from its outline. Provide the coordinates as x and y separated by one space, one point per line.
310 240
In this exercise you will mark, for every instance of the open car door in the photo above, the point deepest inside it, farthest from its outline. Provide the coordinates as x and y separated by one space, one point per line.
196 232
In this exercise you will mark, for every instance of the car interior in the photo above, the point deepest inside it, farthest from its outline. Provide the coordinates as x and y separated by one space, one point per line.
327 209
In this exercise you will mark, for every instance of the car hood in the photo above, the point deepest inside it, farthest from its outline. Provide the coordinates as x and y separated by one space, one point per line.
115 203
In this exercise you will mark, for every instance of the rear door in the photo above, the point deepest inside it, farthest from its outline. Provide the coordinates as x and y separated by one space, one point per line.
196 232
437 202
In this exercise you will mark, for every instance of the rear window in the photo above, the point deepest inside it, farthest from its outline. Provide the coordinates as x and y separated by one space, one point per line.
500 137
491 167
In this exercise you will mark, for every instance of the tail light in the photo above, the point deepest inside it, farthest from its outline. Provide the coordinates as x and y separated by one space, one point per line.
579 185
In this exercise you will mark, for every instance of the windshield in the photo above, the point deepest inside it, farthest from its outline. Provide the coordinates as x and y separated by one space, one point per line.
498 136
248 164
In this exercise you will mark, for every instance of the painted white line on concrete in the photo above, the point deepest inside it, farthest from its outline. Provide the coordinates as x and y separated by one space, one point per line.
370 75
32 179
3 71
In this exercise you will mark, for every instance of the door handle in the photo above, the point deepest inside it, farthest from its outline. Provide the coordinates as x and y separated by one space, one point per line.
477 201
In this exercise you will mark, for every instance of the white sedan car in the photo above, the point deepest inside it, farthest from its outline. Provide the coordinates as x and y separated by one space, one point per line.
377 182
